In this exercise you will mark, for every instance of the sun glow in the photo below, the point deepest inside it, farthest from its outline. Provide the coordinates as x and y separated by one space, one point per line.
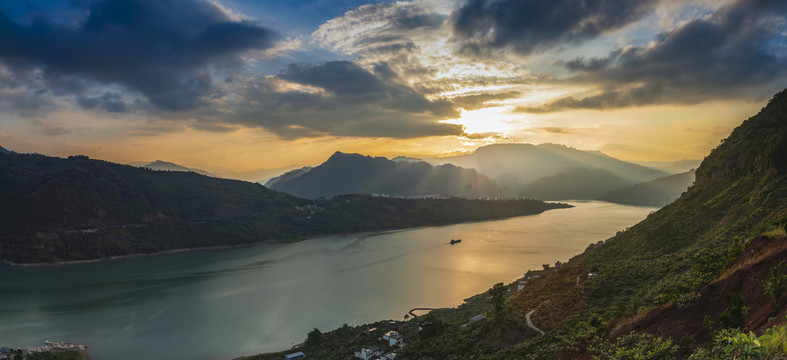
496 120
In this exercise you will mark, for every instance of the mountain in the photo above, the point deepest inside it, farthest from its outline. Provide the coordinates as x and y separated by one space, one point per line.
287 176
160 165
260 175
689 281
673 167
353 173
526 169
54 209
657 192
577 183
4 151
406 159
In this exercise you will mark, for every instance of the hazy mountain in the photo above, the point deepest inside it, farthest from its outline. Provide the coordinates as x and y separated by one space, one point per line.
577 183
659 192
287 176
4 151
542 170
353 173
160 165
260 175
675 167
406 159
54 209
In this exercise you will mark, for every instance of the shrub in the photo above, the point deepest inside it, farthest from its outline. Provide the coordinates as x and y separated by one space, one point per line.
776 283
636 346
732 317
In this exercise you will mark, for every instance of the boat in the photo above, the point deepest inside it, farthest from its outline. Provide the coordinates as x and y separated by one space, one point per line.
455 241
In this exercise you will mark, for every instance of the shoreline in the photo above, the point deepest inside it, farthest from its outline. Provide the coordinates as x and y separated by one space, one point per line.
120 257
265 242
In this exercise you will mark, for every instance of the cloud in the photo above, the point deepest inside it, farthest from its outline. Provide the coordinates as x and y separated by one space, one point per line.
407 42
164 49
110 102
479 101
337 98
534 26
733 53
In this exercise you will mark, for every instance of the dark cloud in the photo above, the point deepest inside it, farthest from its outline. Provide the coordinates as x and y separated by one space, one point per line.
334 98
164 49
532 26
110 102
24 102
730 54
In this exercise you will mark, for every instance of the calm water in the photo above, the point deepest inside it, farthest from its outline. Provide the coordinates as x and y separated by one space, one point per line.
217 304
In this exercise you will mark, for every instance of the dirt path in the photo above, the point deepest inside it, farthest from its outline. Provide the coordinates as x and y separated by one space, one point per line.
530 323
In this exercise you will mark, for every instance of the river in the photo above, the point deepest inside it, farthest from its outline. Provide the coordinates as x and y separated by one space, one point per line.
218 304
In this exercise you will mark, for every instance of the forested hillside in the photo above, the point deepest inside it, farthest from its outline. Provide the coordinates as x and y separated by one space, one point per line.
54 209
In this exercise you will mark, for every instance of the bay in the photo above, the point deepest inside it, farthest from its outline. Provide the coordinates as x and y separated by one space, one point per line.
219 304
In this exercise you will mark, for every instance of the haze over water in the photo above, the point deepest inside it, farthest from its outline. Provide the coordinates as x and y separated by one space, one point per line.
216 304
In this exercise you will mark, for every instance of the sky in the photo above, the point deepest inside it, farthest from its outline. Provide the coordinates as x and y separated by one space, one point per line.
250 84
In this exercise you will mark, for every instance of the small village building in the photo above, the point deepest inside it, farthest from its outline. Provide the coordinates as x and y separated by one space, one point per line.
297 355
592 275
393 338
368 354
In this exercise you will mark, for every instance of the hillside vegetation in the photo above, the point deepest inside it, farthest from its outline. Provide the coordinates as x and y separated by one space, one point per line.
54 209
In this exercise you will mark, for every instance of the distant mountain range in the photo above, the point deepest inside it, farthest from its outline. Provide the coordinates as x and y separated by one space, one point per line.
658 193
4 151
353 173
550 171
547 172
160 165
674 167
259 175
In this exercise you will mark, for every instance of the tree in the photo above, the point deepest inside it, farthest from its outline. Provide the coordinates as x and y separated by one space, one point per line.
431 327
497 291
406 316
776 283
733 316
314 337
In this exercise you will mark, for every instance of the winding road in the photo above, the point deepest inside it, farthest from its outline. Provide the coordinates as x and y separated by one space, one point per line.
530 323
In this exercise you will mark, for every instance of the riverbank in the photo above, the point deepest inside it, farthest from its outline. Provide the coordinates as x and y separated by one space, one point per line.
120 257
554 206
346 214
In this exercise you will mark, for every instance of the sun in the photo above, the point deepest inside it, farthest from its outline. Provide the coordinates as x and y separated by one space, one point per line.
496 120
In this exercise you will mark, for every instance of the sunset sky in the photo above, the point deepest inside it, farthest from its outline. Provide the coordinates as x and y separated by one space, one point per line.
248 84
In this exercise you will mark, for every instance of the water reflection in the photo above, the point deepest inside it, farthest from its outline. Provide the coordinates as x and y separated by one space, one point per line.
224 303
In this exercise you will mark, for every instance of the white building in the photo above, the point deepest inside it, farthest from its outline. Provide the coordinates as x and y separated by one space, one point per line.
368 354
393 338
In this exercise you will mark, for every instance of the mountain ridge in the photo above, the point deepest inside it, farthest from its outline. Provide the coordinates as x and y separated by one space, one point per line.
346 173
